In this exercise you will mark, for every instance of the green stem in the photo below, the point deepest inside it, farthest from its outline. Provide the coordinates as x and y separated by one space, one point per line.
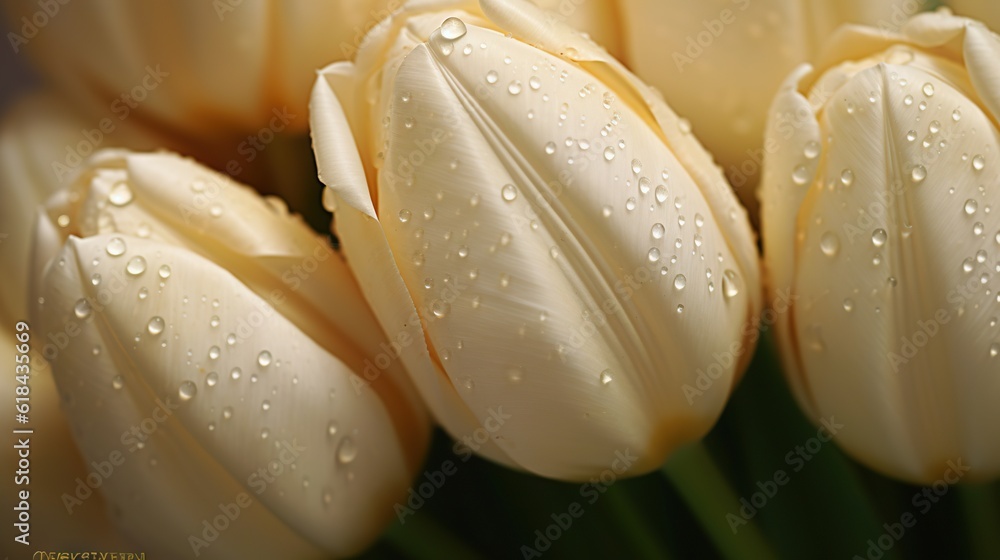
694 474
982 517
423 538
636 526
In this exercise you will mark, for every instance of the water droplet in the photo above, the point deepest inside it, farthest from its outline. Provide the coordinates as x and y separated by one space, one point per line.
347 451
117 382
509 193
928 89
848 305
968 266
911 135
265 406
514 88
934 127
82 309
235 373
847 177
143 293
214 353
680 282
630 204
534 83
227 413
661 194
978 162
981 256
264 433
606 212
550 148
116 247
800 175
492 77
680 309
971 206
994 349
812 149
609 153
636 166
164 272
829 244
453 29
212 379
440 309
658 231
879 237
606 377
405 215
730 284
978 228
120 194
645 185
908 100
136 266
264 359
918 174
187 390
653 255
63 220
155 326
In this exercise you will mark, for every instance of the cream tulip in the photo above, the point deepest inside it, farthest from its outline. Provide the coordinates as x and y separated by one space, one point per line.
879 214
575 260
211 348
719 62
203 68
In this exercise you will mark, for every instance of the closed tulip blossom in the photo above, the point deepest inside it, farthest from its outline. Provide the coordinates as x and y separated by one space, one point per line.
209 349
580 278
880 215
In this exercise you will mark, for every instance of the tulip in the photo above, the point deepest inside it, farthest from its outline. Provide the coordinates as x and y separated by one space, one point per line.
200 68
877 215
216 361
986 11
584 277
719 63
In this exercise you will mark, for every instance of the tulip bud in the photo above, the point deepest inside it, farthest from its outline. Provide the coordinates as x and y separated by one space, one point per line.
720 62
586 281
214 355
201 68
879 214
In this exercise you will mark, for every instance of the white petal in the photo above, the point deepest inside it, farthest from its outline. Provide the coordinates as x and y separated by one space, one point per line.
495 308
223 429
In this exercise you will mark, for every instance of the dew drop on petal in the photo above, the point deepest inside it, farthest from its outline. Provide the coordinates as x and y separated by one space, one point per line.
155 326
187 390
658 231
116 247
606 377
82 309
453 29
971 206
117 382
164 272
264 359
509 193
680 282
829 244
879 237
120 194
847 177
918 174
136 266
978 162
212 379
347 451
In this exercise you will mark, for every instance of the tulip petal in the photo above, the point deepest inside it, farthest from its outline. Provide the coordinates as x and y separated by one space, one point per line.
251 393
498 299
